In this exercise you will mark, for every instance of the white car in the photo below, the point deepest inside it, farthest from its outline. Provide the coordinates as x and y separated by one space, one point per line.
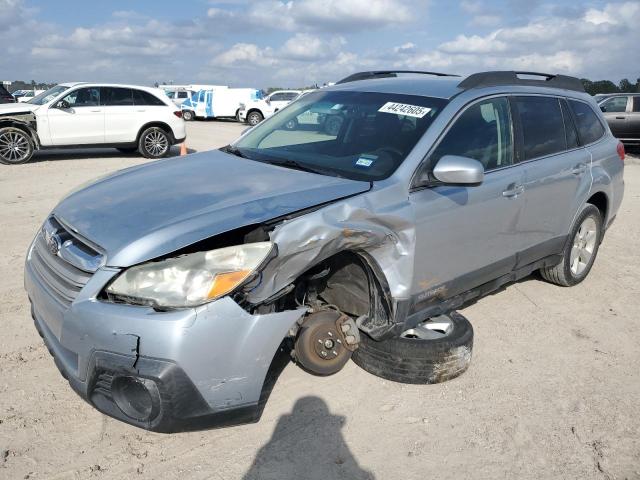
125 117
27 95
257 110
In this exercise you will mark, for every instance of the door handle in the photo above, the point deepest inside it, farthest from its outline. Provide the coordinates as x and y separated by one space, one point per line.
620 118
579 169
513 190
95 111
141 110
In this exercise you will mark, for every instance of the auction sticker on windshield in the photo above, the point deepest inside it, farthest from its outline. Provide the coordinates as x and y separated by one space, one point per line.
404 109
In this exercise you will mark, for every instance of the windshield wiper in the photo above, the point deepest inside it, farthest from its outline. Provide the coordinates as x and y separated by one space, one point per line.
296 165
233 151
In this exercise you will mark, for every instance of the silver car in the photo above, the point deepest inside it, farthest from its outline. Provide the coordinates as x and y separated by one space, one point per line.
167 291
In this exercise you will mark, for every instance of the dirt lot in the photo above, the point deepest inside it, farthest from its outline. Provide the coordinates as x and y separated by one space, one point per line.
553 390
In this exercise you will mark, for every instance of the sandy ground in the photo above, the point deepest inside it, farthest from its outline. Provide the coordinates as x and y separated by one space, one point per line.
553 390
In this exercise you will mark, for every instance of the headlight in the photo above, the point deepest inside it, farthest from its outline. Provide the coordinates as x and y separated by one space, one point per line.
192 279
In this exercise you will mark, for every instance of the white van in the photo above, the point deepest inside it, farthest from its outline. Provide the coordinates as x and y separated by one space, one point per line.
218 102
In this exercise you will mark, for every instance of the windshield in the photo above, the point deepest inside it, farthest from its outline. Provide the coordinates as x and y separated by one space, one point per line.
356 135
47 96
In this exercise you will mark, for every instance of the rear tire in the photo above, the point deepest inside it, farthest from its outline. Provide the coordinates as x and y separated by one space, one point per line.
580 251
422 355
187 115
16 146
154 143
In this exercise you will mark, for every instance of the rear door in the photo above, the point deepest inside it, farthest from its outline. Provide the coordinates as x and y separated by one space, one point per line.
80 124
469 235
615 112
121 124
557 173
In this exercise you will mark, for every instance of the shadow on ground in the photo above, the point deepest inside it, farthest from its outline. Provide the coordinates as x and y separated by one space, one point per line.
307 444
100 153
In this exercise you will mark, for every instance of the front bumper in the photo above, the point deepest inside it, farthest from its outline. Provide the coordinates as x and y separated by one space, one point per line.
205 367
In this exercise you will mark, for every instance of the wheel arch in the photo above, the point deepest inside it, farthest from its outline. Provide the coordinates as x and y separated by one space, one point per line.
164 126
25 127
600 200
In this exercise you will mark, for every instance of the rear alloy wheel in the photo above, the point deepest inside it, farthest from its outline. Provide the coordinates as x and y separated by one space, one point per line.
187 115
15 146
580 252
254 118
154 143
435 350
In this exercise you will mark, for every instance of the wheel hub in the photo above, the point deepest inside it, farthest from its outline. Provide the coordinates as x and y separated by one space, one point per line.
327 345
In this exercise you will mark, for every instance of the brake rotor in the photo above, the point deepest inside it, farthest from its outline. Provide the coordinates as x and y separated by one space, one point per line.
321 346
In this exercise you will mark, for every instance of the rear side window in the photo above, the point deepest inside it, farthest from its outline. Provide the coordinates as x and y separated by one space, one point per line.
483 132
140 97
182 95
117 97
589 127
636 104
615 105
542 126
569 128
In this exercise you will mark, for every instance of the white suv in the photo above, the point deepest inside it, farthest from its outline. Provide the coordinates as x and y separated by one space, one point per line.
257 110
125 117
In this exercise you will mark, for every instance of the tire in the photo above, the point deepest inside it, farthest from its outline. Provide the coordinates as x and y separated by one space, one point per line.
127 150
584 241
16 146
254 118
187 115
154 143
419 356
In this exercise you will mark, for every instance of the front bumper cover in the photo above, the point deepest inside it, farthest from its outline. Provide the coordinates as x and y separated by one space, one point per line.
208 364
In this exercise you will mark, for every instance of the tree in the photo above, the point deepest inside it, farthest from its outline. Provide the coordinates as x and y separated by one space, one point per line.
626 86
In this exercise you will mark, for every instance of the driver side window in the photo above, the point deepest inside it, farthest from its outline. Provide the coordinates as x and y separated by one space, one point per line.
84 97
483 132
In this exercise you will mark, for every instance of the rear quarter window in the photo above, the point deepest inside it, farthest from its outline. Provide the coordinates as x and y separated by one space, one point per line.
589 127
140 97
542 126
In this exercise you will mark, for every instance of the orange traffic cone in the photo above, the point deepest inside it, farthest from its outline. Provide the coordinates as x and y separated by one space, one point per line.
183 148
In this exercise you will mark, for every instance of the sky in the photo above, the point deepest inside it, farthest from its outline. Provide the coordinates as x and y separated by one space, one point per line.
292 43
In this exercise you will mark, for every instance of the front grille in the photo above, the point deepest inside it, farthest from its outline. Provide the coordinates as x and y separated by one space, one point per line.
63 279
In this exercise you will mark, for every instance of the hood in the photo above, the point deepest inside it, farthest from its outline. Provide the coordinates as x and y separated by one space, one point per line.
152 210
16 108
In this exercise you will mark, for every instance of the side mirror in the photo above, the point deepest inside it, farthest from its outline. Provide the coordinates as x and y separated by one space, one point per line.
63 105
454 170
603 108
268 100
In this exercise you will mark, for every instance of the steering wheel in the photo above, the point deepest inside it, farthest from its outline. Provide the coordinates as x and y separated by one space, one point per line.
391 150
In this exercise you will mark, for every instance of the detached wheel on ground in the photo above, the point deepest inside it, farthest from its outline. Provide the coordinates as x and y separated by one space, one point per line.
254 118
154 143
16 146
187 115
580 251
436 350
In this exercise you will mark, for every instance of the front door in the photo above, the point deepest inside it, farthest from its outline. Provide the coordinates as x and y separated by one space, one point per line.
82 122
469 235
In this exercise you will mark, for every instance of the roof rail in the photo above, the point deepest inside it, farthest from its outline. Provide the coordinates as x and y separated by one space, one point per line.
492 79
387 74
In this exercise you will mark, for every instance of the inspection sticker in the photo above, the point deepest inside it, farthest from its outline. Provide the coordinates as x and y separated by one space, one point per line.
404 109
366 160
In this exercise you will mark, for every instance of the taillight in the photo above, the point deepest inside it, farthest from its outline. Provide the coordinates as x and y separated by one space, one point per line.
620 150
178 113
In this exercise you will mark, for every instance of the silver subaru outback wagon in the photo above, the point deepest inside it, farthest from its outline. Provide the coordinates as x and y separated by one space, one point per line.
351 224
